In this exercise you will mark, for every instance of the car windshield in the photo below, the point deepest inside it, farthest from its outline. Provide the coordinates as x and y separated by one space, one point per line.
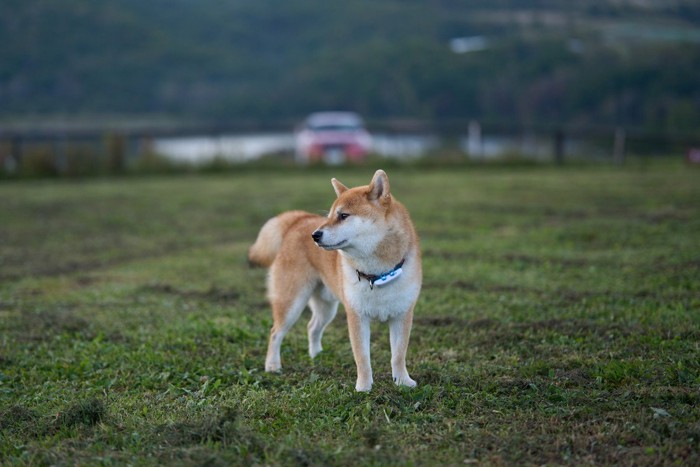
334 127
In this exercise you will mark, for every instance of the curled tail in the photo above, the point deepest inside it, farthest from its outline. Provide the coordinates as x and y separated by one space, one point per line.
269 241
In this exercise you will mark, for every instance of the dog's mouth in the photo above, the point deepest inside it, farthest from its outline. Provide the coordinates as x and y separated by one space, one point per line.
334 246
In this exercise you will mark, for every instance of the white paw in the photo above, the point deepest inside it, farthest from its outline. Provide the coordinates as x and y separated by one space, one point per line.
363 386
315 350
273 367
405 380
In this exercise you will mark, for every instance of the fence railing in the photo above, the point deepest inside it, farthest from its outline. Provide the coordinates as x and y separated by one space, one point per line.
111 148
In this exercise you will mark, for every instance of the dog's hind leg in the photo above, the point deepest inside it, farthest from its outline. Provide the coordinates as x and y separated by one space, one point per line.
323 307
288 301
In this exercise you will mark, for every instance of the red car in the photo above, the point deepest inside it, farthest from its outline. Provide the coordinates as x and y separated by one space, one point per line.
333 138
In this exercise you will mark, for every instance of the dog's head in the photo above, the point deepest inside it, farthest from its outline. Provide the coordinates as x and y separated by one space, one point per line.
357 217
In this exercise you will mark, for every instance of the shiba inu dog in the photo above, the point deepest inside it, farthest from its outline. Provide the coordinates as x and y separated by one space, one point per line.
365 254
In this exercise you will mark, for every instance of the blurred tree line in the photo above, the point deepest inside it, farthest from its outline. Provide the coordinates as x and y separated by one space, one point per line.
600 62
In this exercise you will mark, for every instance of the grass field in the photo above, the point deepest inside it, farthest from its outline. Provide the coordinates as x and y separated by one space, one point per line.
559 324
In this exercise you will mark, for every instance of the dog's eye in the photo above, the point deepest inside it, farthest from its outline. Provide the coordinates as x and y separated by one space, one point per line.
342 216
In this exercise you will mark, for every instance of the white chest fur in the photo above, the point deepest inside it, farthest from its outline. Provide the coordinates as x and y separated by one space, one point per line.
381 301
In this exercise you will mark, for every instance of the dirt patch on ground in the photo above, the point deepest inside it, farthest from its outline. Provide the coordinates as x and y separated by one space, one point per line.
474 287
490 332
36 326
213 294
518 258
569 297
88 412
577 327
449 255
539 260
446 321
664 216
22 421
17 419
224 428
500 331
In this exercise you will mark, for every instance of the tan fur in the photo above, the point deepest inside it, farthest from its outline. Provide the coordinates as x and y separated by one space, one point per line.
376 236
269 241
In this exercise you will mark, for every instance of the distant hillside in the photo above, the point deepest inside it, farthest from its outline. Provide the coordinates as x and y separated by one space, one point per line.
598 62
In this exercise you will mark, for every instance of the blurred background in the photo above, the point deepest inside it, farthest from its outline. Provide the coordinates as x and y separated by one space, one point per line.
90 86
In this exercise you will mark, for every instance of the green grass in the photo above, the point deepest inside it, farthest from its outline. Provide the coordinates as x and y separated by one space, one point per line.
559 324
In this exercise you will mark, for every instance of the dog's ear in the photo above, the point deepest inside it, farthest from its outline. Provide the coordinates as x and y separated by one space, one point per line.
338 187
379 188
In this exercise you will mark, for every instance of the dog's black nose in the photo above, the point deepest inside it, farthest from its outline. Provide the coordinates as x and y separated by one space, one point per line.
317 235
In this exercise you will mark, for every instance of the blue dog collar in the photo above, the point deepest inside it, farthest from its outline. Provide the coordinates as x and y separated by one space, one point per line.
381 279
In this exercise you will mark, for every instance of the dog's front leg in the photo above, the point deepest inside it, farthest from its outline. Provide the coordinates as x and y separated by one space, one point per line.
359 328
399 333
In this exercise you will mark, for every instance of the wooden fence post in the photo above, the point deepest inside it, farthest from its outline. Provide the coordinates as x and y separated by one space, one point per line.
559 141
60 158
619 146
16 153
474 142
115 146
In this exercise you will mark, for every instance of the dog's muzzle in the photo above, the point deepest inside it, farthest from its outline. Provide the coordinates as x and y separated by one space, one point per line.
318 238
